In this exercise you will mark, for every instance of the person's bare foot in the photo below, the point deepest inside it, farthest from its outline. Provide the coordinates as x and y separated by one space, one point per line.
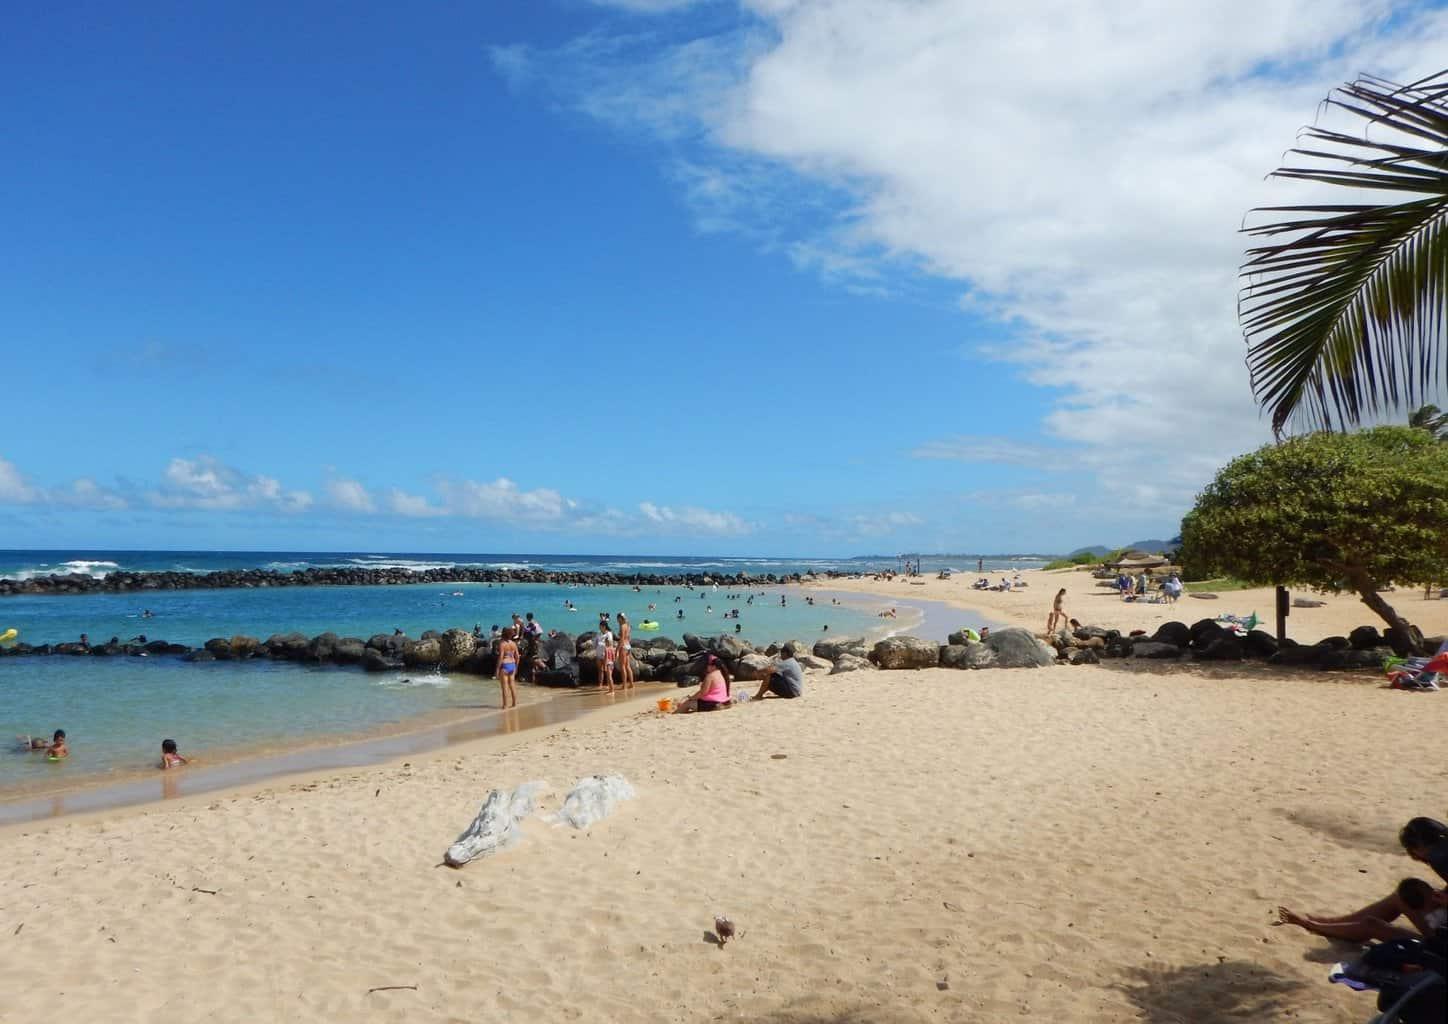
1285 916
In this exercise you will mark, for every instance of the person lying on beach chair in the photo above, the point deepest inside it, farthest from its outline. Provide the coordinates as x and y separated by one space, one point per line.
784 678
1415 899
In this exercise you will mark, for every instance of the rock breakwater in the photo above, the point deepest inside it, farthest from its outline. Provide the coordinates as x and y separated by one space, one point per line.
341 576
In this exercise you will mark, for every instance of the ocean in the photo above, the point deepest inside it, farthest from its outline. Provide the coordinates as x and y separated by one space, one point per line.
116 711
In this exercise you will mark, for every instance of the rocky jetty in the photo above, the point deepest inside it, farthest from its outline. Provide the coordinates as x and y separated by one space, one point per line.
567 660
141 582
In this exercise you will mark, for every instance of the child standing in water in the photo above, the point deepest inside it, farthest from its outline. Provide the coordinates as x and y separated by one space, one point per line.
170 757
508 668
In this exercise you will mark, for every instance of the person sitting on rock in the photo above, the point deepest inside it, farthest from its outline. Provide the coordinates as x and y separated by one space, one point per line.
716 689
785 678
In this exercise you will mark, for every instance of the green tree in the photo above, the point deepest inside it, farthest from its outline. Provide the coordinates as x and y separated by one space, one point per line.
1332 511
1432 419
1344 305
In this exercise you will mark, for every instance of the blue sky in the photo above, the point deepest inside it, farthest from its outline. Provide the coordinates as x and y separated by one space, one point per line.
634 276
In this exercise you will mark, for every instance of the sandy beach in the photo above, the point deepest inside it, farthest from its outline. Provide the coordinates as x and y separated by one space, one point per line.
1099 606
1092 844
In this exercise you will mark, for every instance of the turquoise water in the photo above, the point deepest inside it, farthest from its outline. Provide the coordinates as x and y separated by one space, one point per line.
116 711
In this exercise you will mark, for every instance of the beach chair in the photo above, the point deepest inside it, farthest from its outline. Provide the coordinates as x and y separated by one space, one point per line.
1419 673
1407 974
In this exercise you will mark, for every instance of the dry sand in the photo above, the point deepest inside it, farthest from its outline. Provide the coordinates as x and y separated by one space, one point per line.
1097 605
1087 844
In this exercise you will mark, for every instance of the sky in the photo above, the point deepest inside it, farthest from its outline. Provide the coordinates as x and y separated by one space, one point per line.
773 277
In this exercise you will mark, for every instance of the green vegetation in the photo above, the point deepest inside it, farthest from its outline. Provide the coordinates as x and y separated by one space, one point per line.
1220 585
1343 306
1071 561
1331 511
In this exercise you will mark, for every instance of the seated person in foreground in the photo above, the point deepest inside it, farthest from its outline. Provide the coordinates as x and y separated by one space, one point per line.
716 690
785 678
1414 899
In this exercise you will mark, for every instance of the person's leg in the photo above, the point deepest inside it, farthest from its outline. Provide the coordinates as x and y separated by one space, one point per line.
1365 929
764 685
1385 910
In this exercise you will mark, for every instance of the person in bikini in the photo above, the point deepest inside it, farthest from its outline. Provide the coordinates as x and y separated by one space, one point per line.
625 661
508 668
1058 616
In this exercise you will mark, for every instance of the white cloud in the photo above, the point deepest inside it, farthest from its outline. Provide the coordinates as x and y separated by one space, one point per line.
349 495
502 499
1081 172
694 520
412 505
207 483
14 490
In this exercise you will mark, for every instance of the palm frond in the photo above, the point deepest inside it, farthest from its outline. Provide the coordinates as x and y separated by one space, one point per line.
1345 306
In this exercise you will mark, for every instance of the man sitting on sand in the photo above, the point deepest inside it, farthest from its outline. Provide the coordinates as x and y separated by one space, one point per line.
785 678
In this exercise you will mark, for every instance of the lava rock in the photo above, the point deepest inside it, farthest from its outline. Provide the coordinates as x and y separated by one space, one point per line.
1019 648
898 652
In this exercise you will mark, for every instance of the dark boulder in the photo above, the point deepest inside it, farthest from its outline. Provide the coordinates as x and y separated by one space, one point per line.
693 644
422 653
320 647
1365 637
1094 633
374 660
201 655
1081 656
1260 644
1175 633
1019 648
1226 647
219 647
728 646
1155 650
245 647
898 652
832 648
349 650
456 646
1294 655
1403 645
1336 643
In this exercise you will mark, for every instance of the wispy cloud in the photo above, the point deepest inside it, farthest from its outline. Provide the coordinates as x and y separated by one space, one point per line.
986 449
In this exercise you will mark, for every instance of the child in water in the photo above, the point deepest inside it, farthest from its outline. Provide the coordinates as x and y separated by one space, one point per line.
56 748
170 757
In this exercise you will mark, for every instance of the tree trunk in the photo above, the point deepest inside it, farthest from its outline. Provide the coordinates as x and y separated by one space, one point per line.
1367 589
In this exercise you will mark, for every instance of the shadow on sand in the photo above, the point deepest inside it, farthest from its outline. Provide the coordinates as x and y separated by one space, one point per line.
1215 993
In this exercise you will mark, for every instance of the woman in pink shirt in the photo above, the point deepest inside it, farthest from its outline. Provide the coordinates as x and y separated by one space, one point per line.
715 691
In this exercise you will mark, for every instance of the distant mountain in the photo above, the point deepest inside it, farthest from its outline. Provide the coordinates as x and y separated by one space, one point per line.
1149 546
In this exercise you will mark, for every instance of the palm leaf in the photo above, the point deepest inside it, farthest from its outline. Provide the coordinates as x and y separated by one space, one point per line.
1344 305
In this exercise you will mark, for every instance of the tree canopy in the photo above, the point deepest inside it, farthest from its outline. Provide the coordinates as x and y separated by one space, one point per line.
1331 511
